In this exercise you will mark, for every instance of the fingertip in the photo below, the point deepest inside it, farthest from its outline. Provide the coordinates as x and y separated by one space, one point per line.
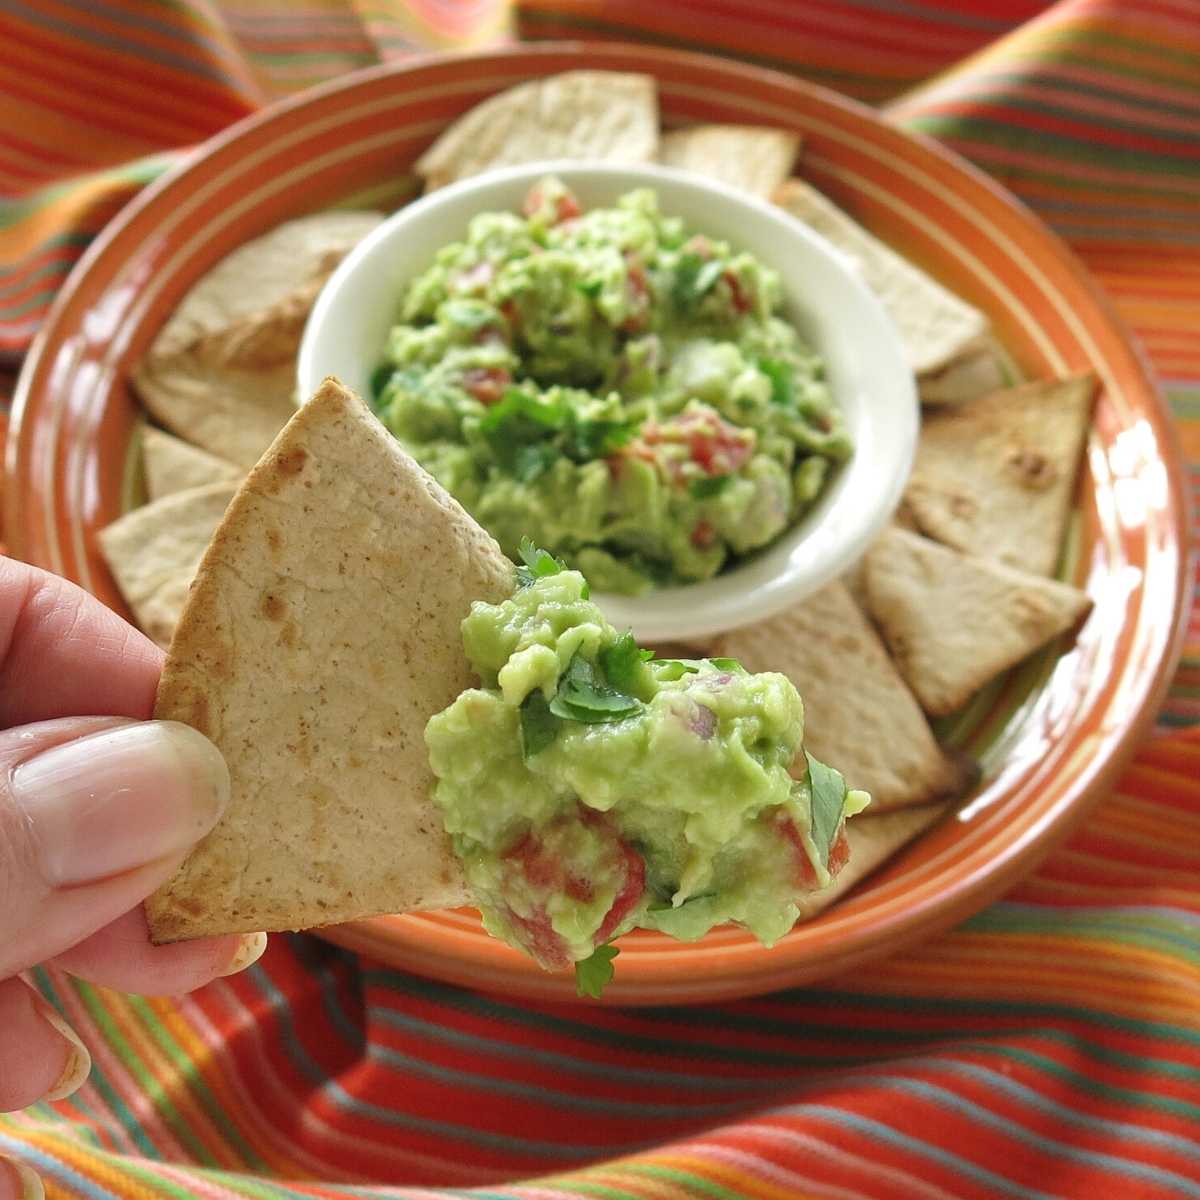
251 947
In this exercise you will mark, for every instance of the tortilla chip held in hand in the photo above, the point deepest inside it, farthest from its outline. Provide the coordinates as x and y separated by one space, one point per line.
321 634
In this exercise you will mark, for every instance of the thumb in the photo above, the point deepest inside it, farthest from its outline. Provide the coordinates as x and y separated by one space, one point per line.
95 813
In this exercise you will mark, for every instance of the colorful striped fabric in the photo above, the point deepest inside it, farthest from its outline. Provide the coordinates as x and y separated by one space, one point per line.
1050 1047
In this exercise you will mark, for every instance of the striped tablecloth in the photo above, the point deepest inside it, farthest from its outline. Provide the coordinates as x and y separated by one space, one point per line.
1050 1047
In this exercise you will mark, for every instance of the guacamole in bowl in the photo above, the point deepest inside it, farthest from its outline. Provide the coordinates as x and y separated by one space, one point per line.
616 386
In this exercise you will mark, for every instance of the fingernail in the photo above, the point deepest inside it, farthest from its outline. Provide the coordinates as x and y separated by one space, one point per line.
79 1061
250 950
29 1186
119 799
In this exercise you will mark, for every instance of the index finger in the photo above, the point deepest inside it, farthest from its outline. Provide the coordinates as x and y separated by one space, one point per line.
63 654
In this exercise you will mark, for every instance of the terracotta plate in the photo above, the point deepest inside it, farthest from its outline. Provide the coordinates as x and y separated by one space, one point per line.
1052 735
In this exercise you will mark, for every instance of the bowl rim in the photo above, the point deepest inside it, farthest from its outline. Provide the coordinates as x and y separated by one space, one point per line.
804 556
865 941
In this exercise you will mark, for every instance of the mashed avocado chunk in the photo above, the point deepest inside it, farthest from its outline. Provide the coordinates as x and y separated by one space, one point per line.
620 389
589 788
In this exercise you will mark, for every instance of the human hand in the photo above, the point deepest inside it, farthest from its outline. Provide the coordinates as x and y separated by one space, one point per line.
95 812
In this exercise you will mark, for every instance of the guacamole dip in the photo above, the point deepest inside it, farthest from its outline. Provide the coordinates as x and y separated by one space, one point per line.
589 788
618 388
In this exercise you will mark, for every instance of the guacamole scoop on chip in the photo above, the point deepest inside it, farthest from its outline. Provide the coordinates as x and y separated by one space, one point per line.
620 389
590 788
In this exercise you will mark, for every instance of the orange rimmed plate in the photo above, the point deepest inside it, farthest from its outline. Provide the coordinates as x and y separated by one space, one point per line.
1052 735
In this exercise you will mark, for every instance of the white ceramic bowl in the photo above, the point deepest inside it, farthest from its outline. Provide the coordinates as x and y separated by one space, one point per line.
824 298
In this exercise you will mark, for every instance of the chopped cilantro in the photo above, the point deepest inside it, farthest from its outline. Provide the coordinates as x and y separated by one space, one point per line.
709 485
621 660
783 379
586 440
380 378
584 695
519 419
695 277
538 724
593 973
590 287
537 563
827 790
533 460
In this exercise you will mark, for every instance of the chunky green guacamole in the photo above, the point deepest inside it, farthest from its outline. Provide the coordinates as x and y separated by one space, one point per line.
612 385
589 788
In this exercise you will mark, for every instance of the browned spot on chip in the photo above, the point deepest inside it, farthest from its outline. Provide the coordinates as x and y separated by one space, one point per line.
274 540
274 608
287 635
292 463
1032 468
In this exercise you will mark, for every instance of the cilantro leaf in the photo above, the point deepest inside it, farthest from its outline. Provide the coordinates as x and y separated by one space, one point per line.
728 664
584 695
676 668
621 660
537 563
586 440
709 485
539 726
827 790
590 287
516 421
695 277
591 974
533 460
782 375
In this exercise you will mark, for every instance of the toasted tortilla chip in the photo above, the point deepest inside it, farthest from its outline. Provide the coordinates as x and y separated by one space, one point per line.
171 465
753 158
874 838
952 622
603 115
858 714
262 273
979 372
221 373
321 635
153 553
996 476
934 324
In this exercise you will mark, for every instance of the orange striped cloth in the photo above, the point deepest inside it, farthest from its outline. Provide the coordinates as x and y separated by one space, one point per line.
1050 1047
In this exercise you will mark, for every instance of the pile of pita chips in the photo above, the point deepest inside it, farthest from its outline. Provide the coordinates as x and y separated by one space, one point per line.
604 115
752 158
858 713
153 552
996 476
221 372
321 634
953 621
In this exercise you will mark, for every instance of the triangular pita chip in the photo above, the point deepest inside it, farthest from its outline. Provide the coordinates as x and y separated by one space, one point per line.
221 373
874 838
952 622
320 636
996 476
171 465
934 324
153 553
979 372
858 714
261 273
603 115
753 158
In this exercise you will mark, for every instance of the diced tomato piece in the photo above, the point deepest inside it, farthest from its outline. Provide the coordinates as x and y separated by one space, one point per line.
839 853
703 535
486 384
566 206
638 287
541 939
742 302
628 897
717 446
510 312
806 874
